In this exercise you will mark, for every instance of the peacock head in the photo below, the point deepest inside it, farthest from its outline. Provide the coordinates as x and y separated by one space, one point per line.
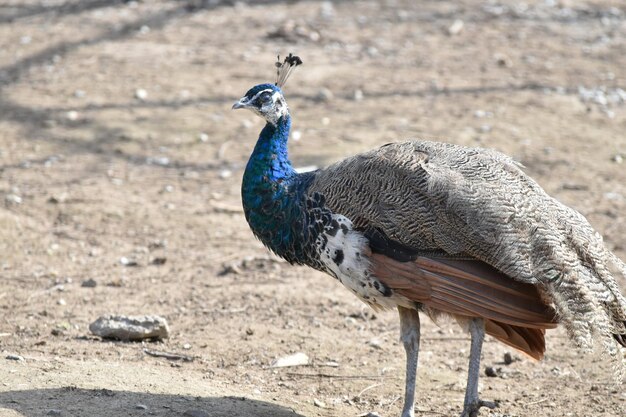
267 100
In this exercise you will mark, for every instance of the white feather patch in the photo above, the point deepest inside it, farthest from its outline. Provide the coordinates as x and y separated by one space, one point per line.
345 257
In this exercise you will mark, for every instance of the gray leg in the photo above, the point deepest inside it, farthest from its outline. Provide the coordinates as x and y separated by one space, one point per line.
410 336
472 403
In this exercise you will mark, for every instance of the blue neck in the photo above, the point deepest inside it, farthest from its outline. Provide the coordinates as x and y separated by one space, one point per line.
267 190
269 157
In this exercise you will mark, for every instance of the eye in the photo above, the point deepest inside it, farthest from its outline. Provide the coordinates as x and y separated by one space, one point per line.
265 97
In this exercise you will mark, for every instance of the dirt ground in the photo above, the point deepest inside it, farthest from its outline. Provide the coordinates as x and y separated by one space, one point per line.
117 141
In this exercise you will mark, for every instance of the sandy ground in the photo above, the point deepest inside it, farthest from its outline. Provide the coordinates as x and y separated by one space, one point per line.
117 140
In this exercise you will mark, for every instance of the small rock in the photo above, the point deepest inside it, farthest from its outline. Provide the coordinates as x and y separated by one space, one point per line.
196 413
508 358
297 359
13 199
127 261
358 95
327 10
141 94
186 346
203 137
72 115
54 412
618 159
503 60
15 357
324 95
89 283
141 407
490 372
80 93
130 327
61 302
161 260
318 403
456 27
296 135
375 343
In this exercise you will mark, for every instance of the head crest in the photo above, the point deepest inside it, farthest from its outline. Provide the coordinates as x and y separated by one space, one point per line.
283 69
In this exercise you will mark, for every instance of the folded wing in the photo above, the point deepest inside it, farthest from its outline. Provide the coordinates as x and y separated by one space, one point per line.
514 312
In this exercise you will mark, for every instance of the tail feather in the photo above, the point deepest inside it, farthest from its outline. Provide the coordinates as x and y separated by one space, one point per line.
620 338
527 340
586 294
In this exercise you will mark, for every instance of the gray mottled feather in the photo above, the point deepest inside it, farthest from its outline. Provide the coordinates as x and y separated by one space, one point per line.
477 202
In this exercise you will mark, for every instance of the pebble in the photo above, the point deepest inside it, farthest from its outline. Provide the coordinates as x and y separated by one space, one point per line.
358 95
141 94
296 135
508 358
13 198
324 95
456 27
141 407
159 160
490 372
327 10
61 302
72 115
54 412
375 343
196 413
130 327
127 261
297 359
161 260
618 159
203 137
15 357
318 403
89 283
503 60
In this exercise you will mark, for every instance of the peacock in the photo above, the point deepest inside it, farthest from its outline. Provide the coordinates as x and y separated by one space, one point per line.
437 228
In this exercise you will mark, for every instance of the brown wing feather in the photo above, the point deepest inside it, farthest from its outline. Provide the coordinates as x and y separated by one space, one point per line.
527 340
514 312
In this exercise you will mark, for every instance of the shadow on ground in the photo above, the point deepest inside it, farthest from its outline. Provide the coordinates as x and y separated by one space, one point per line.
72 401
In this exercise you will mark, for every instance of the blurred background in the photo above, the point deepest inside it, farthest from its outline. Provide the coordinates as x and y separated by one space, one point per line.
120 170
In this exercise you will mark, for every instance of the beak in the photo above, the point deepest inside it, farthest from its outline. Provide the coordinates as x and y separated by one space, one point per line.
241 104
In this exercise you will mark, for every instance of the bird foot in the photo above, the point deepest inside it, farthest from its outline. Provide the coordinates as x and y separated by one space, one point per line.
471 409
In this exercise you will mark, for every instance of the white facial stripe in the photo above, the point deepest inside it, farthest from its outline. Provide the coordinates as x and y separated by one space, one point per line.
259 93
